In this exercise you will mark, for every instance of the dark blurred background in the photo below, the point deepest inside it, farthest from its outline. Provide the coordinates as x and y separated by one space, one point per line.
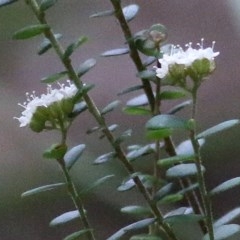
22 166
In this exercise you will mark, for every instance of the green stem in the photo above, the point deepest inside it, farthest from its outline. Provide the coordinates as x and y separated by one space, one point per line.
76 200
201 179
100 119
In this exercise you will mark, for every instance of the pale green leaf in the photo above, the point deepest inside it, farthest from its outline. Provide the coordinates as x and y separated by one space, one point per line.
130 11
78 235
65 217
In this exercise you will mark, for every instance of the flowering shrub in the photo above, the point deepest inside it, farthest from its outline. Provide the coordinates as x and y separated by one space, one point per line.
177 73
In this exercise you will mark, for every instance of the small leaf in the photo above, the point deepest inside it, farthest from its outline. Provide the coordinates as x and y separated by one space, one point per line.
46 44
110 107
72 47
86 66
136 210
224 232
218 128
179 107
134 226
130 11
183 170
166 121
105 158
95 184
46 4
228 217
189 188
42 189
145 237
166 162
170 95
139 152
30 31
6 2
73 155
125 135
137 111
149 61
115 52
162 192
65 217
77 109
229 184
56 151
130 89
146 74
186 148
171 198
102 14
159 134
140 100
183 218
53 78
77 235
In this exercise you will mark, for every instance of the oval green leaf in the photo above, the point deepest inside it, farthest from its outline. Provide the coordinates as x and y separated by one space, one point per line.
30 31
139 152
46 44
73 155
105 158
6 2
166 162
179 107
140 100
140 111
56 151
166 121
183 170
218 128
42 189
224 232
102 14
183 218
53 78
130 89
229 184
171 95
110 107
115 52
137 210
78 235
146 74
159 134
65 217
171 198
86 66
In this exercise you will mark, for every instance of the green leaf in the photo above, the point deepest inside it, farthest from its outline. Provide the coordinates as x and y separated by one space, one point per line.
73 155
139 152
218 128
46 44
42 189
130 11
77 109
183 218
189 188
183 170
105 158
159 134
134 226
72 47
186 147
110 107
171 198
53 78
179 107
136 210
30 31
125 135
228 217
137 111
102 14
171 95
229 184
145 237
130 89
166 162
78 235
65 217
149 60
95 184
115 52
162 192
140 100
147 47
46 4
166 121
56 151
146 74
6 2
224 232
86 66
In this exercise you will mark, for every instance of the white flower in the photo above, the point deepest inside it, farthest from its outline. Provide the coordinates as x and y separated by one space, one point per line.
178 56
45 100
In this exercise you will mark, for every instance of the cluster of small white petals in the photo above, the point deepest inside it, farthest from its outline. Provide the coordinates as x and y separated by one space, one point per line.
178 56
45 100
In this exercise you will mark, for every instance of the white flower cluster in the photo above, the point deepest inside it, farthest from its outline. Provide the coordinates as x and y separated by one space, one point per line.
45 100
178 56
